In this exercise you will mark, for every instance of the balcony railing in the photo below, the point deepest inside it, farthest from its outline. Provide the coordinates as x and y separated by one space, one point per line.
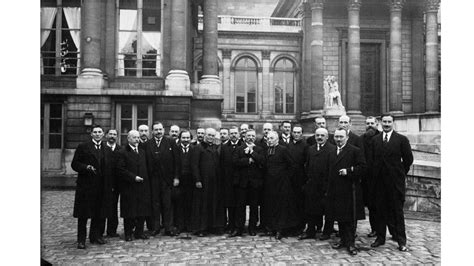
255 24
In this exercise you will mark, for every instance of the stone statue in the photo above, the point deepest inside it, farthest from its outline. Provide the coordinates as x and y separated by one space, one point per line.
332 96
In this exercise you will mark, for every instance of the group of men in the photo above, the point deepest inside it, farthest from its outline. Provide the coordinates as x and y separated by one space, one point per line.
203 186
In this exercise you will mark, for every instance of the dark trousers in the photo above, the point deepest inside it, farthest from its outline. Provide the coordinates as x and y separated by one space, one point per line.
389 209
94 231
314 222
372 218
246 196
112 221
134 225
184 208
230 211
346 232
167 208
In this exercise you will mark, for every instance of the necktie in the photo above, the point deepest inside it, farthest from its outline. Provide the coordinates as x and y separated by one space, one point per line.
338 150
271 150
97 146
135 150
185 150
158 142
385 139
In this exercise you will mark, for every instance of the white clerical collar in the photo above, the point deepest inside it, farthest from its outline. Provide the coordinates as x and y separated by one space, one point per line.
184 146
97 143
285 136
225 142
234 143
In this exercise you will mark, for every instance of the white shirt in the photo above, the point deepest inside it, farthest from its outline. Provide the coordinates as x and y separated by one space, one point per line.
135 149
340 149
112 146
389 134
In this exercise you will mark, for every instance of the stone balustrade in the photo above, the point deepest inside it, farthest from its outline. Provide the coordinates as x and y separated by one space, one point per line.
255 24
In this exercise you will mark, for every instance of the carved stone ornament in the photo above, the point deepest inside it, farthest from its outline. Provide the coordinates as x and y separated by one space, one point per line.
431 5
317 4
226 53
266 54
354 5
396 5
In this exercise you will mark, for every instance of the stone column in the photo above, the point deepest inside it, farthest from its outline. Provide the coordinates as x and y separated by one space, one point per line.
317 70
267 100
91 76
210 83
177 78
306 71
353 58
431 65
395 96
228 95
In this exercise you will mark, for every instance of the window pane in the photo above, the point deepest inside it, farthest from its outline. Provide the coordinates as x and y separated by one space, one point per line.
251 104
128 19
123 140
280 64
126 126
55 141
240 104
71 3
55 110
126 111
290 95
128 4
250 64
142 111
68 53
151 15
240 63
55 126
251 81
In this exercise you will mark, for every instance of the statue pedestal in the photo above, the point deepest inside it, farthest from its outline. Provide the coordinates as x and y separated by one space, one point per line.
334 111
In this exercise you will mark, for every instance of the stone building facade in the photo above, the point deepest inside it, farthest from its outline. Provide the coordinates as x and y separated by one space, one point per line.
122 63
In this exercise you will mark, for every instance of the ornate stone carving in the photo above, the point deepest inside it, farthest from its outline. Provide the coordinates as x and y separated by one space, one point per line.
226 53
396 5
332 96
354 5
266 54
431 5
317 4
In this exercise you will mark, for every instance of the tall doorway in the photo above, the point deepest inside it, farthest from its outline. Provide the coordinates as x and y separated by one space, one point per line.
370 85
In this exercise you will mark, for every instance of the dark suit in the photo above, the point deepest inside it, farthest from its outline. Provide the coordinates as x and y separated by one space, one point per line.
93 197
111 158
391 163
228 176
368 188
343 189
187 183
163 168
248 183
298 151
279 199
282 141
208 209
315 189
135 198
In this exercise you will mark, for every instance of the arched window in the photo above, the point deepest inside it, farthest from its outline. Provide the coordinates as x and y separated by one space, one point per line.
284 86
246 86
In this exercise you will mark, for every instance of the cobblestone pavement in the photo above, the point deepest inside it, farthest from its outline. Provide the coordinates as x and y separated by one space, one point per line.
58 245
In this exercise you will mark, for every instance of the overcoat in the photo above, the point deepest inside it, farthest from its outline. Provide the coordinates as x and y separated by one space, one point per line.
278 196
229 172
317 170
135 198
341 189
388 157
249 175
93 197
368 184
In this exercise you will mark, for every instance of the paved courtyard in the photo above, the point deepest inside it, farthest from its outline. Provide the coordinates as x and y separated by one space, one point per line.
58 245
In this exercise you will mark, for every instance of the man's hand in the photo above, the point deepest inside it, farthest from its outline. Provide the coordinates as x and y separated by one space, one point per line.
343 172
251 161
198 185
175 182
91 168
138 179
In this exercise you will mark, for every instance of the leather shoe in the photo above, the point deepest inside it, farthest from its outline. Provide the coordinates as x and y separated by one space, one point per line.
170 233
128 238
377 243
236 233
324 237
403 248
141 236
252 232
201 234
372 234
267 233
278 236
112 235
352 250
155 232
338 245
305 236
99 241
81 245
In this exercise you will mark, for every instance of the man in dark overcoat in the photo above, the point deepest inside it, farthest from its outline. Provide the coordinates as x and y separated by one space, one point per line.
345 203
319 122
248 159
298 149
111 157
208 209
135 198
280 212
315 189
368 189
392 160
93 197
188 156
163 171
229 175
285 134
263 143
